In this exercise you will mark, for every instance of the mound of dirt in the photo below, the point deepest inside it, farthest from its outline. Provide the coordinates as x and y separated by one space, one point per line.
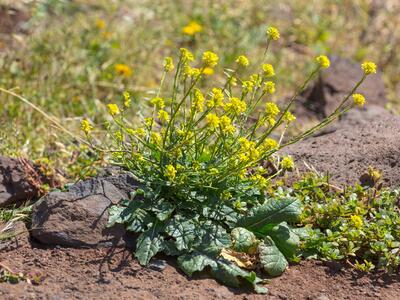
346 149
108 274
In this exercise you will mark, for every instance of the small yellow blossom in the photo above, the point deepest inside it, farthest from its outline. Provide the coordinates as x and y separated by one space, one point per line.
358 99
356 221
163 116
123 70
226 125
233 81
323 61
273 33
208 71
113 109
168 64
247 86
118 136
235 105
148 122
100 24
86 127
216 99
210 59
212 120
155 138
170 172
368 67
268 70
158 102
269 144
127 99
287 163
186 55
288 117
269 87
192 28
198 101
242 60
271 109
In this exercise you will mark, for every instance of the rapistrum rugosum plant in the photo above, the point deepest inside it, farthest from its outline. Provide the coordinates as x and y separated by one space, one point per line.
205 160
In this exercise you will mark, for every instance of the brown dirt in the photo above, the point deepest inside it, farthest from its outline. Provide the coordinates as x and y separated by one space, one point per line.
113 274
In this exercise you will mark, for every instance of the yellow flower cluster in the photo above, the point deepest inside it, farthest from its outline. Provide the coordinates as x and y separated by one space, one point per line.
356 221
217 98
273 33
368 67
288 117
242 60
226 125
248 150
170 172
247 86
323 61
163 116
235 106
358 99
123 70
269 144
198 101
269 87
192 28
287 163
113 109
271 109
186 55
212 121
127 99
168 64
268 70
86 127
210 59
158 102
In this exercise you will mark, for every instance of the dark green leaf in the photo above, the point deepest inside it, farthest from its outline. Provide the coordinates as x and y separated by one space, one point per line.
183 231
196 261
285 239
272 260
243 240
148 244
273 212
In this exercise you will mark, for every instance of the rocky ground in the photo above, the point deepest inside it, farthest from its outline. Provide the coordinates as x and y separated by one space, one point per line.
68 253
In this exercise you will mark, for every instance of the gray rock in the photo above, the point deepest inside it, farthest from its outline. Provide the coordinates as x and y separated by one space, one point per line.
78 217
337 81
18 181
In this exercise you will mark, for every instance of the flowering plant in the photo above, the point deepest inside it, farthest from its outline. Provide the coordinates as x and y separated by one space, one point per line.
205 161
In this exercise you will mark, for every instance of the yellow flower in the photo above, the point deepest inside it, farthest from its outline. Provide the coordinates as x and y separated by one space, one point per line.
233 81
100 24
269 87
212 120
192 28
186 55
127 99
247 86
113 109
148 122
163 116
208 71
210 59
217 98
287 163
226 125
273 33
358 99
356 221
236 106
368 67
168 64
198 101
242 60
269 144
191 72
271 109
170 172
323 61
124 70
155 138
268 70
158 102
288 117
86 127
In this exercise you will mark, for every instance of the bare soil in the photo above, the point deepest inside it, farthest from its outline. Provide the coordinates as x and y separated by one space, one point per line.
68 273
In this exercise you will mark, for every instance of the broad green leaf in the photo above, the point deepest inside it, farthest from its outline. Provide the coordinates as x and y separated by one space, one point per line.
183 231
272 212
140 221
122 214
149 243
243 240
229 274
169 248
196 261
163 210
272 260
214 238
285 239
